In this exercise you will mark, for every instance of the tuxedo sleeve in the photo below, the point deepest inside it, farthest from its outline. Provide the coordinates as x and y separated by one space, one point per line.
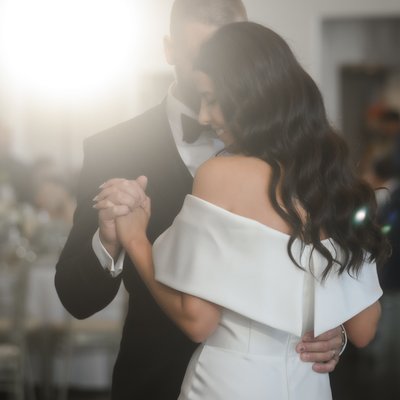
83 285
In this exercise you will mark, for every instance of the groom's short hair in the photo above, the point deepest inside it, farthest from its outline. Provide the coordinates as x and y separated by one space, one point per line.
208 12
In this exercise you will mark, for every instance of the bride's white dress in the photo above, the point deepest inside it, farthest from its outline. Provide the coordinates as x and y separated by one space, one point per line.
267 303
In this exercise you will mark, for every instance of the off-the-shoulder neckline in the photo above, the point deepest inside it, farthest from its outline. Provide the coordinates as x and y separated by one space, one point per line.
245 219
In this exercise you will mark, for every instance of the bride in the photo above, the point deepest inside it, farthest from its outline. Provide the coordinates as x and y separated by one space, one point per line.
266 247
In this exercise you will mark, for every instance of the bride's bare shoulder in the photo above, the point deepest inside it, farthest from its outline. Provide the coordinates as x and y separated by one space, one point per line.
219 178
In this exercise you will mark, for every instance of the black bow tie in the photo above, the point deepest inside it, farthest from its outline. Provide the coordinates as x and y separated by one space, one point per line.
192 129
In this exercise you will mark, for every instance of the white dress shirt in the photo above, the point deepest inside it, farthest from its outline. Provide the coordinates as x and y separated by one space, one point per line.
192 154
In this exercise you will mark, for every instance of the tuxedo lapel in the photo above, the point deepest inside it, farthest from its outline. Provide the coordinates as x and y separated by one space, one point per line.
169 180
153 153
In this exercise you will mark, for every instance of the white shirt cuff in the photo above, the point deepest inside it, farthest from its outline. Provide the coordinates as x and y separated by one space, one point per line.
104 257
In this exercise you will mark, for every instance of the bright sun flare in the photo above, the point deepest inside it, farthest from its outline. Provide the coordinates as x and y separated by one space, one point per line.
68 47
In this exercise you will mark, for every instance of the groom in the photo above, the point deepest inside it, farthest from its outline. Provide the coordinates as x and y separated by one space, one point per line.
163 145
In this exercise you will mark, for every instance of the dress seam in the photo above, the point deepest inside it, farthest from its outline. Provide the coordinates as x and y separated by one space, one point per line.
286 389
250 327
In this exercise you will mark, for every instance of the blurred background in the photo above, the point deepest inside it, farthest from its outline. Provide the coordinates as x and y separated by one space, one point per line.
69 69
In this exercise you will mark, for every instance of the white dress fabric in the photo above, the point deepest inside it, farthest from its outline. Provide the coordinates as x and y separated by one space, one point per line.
267 303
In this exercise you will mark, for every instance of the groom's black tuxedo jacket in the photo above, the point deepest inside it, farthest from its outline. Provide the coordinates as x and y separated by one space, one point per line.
154 353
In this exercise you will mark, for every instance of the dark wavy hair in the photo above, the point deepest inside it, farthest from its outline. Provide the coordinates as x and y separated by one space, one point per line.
276 113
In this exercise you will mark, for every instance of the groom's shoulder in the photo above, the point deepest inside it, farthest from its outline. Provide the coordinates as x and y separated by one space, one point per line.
131 130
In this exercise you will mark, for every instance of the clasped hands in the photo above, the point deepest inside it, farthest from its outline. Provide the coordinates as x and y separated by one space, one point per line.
124 212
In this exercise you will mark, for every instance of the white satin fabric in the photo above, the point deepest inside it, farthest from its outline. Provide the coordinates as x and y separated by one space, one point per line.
268 303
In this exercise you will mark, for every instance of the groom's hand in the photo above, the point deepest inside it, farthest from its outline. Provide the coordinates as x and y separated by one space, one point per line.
323 350
116 198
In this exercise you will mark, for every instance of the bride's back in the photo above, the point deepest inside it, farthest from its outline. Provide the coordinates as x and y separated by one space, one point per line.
240 185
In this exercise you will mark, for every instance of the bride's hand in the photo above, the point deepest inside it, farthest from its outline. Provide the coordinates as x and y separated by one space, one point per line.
132 226
119 196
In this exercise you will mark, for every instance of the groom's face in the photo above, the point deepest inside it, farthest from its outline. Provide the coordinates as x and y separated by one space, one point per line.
181 52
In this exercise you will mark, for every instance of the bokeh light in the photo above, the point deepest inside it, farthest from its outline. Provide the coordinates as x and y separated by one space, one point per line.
360 216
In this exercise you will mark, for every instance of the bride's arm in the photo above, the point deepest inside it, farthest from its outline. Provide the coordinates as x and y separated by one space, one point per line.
196 317
362 327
